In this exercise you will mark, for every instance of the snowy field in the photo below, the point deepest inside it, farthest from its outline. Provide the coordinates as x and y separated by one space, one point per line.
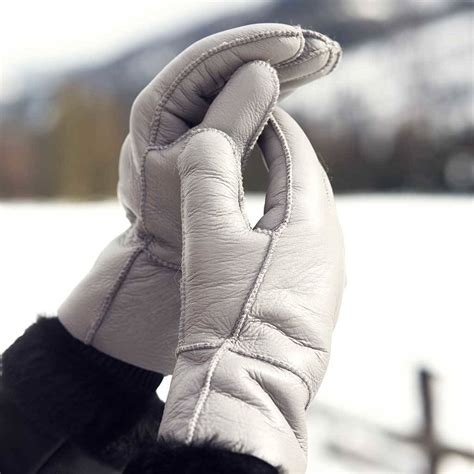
408 303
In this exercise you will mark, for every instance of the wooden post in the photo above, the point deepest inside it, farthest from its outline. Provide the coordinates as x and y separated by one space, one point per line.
425 438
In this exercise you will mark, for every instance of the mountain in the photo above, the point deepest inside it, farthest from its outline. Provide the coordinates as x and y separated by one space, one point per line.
397 114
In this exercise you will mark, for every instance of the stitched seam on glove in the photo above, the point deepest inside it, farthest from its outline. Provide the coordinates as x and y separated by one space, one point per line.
230 342
326 69
305 58
258 131
159 262
289 182
245 152
186 137
183 237
198 346
152 257
204 392
238 164
300 50
97 321
208 54
155 122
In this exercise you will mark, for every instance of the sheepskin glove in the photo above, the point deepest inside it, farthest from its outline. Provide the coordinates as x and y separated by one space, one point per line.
128 305
258 304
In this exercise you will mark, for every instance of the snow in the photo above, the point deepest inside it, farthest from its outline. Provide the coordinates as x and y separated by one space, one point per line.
408 303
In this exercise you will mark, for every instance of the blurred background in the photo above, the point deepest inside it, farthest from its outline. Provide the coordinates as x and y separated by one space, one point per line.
398 115
394 126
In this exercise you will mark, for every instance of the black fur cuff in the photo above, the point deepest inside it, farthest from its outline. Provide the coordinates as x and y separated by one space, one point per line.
68 388
168 457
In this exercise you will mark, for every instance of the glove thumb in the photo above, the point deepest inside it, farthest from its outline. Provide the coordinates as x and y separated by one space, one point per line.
210 165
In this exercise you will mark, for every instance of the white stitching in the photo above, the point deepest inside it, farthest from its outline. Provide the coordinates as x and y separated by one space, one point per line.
230 342
155 260
263 231
183 272
107 302
305 58
263 122
156 118
206 55
232 144
155 121
204 393
198 346
324 70
289 171
300 50
302 58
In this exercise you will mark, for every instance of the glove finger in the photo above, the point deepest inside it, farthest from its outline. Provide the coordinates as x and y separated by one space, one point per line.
297 181
210 165
244 105
319 57
211 185
178 98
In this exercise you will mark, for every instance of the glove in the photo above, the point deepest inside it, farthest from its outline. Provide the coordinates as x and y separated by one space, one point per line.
258 304
128 305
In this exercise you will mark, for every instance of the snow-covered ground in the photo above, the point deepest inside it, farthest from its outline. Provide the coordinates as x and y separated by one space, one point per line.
408 303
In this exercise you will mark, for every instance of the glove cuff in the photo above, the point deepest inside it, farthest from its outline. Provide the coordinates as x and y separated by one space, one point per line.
168 457
248 404
67 388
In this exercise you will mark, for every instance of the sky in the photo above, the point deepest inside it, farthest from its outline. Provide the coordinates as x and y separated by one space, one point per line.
41 36
47 35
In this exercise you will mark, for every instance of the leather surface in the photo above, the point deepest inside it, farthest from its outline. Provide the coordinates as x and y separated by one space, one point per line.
258 304
128 305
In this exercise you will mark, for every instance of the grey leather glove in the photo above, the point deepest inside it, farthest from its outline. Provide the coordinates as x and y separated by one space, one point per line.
258 304
128 305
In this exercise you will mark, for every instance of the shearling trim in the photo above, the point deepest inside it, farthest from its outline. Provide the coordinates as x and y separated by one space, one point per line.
68 388
143 434
169 457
